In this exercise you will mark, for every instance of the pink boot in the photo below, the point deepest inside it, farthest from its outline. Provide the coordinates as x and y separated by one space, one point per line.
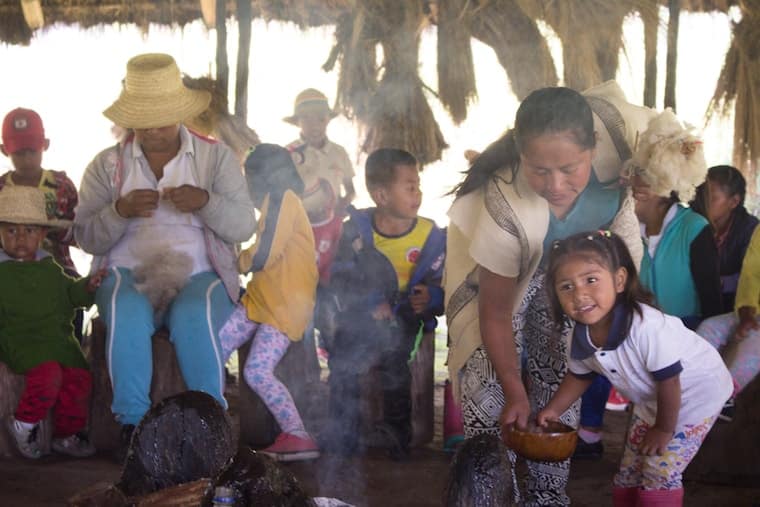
625 497
661 498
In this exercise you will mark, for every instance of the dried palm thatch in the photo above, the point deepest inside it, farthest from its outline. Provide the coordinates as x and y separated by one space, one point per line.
388 100
518 44
89 13
304 13
217 122
456 70
739 85
591 34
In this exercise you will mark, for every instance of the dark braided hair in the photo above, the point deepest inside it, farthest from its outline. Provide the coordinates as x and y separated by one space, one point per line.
606 249
544 111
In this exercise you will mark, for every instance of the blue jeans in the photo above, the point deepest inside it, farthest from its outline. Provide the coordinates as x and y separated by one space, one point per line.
593 402
193 319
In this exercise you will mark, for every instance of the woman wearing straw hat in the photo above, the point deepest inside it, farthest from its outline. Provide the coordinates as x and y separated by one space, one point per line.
163 187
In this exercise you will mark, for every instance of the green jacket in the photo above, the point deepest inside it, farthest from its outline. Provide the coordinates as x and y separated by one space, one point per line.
37 304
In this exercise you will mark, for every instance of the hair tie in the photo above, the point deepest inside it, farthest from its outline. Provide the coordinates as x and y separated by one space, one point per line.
605 232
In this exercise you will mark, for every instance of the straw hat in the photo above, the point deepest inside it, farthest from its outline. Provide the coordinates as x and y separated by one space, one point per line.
669 157
309 100
618 124
154 95
26 205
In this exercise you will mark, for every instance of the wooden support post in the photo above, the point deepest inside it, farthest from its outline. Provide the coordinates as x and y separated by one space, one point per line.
674 9
244 51
650 16
222 66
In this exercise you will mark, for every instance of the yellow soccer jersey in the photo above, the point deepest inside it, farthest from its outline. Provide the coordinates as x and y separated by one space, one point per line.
403 251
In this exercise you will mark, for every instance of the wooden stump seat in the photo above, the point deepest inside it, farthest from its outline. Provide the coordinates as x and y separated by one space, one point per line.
730 454
167 381
259 429
422 395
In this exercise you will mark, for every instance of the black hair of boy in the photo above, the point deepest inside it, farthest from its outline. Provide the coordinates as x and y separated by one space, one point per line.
380 168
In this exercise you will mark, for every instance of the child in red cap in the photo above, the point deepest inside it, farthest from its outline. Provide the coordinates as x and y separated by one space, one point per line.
23 143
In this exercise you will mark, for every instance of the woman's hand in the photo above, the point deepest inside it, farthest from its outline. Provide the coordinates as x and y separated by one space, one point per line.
186 198
655 442
137 203
516 412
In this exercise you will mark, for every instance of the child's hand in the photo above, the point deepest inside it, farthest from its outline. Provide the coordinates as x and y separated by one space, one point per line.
95 280
419 298
545 416
747 323
655 442
382 312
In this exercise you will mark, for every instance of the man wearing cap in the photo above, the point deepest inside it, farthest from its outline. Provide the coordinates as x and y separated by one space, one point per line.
163 183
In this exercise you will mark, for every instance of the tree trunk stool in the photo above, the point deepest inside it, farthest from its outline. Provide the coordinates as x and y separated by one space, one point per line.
422 388
730 454
11 387
167 381
257 426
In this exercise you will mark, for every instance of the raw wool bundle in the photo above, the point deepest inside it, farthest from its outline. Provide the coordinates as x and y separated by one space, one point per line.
160 274
739 85
669 157
456 70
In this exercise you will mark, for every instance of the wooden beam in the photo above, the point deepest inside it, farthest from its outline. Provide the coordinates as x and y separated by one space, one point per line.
244 51
650 16
674 10
33 13
222 66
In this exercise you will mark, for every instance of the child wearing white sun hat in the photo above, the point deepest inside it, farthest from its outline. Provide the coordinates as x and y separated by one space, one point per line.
38 301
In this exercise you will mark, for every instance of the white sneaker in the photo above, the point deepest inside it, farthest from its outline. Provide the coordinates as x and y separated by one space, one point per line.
25 438
74 445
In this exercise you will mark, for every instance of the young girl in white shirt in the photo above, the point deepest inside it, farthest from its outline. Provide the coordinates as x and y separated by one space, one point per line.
676 380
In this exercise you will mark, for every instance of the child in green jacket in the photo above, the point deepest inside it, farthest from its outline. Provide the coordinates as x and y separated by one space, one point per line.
37 304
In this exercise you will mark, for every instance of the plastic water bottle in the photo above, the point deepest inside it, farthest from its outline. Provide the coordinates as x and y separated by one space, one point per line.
223 497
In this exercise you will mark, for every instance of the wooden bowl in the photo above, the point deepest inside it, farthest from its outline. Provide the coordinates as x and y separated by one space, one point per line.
555 442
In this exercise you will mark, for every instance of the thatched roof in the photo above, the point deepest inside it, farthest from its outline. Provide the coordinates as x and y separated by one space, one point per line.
387 97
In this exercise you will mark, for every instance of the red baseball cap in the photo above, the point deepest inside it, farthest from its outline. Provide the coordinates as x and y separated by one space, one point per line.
23 130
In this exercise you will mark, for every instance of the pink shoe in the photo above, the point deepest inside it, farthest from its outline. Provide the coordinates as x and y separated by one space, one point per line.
289 447
616 401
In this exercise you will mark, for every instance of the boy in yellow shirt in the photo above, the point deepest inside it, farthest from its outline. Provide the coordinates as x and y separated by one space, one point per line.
387 282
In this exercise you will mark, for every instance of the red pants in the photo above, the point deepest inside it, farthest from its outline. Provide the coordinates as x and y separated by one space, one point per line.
66 390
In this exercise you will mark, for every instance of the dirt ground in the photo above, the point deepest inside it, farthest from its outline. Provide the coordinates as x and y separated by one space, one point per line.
372 480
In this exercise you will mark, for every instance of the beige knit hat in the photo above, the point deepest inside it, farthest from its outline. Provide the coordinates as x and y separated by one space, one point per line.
154 96
26 205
